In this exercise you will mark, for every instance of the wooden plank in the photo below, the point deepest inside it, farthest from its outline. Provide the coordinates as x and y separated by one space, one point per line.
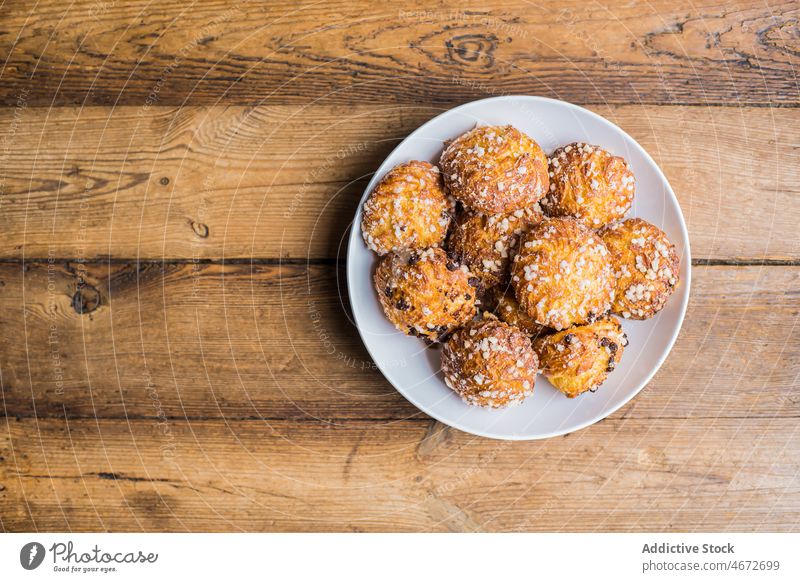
619 475
239 182
269 341
103 52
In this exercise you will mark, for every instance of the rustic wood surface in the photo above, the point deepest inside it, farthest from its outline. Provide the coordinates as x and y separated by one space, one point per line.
275 342
239 182
106 52
176 184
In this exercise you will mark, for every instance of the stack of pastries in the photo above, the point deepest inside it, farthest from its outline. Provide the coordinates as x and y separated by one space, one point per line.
518 263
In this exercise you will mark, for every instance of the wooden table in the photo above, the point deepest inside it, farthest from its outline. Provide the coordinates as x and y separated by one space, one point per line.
176 185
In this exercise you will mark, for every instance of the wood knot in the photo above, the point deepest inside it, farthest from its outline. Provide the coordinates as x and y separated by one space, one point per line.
164 181
86 299
783 36
199 228
472 49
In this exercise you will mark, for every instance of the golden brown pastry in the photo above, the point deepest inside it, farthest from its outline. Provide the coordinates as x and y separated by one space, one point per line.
504 305
490 363
486 243
646 265
562 274
495 169
588 183
424 294
580 358
407 210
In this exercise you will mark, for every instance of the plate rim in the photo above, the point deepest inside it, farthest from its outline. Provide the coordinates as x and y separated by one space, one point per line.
355 230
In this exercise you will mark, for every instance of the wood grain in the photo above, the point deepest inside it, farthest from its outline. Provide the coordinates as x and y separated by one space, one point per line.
239 182
136 52
274 341
619 475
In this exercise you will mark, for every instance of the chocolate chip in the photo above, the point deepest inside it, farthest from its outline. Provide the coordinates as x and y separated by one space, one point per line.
413 258
388 291
402 305
607 343
444 334
474 281
569 338
454 260
467 296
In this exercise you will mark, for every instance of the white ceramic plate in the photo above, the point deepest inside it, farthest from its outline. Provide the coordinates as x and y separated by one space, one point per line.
414 370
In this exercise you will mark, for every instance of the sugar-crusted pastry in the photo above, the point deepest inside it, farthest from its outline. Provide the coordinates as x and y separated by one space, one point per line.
590 184
487 243
424 293
495 169
490 363
407 210
646 266
562 274
580 358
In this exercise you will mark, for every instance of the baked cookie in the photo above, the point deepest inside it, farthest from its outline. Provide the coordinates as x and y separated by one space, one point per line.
407 210
495 169
490 363
487 243
424 294
562 274
646 265
580 358
588 183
